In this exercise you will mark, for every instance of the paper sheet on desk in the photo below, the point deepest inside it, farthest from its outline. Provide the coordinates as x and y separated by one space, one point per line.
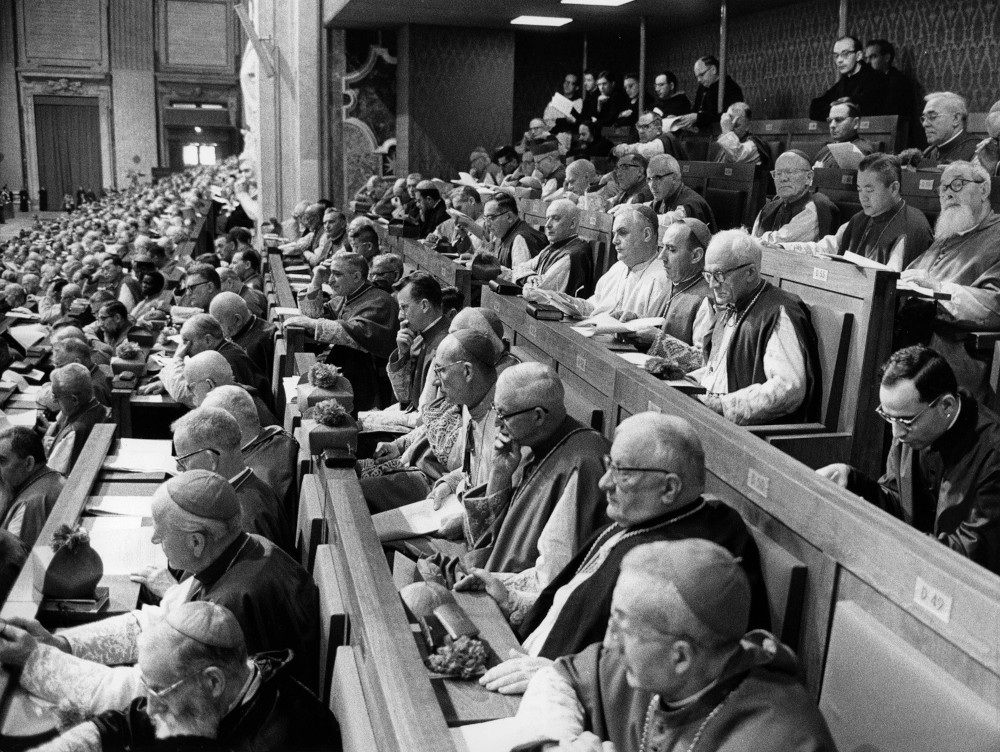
142 456
635 358
847 155
605 323
500 735
121 506
286 311
124 551
24 418
290 385
28 335
414 519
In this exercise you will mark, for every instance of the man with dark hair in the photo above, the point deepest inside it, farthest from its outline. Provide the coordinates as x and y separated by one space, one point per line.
114 326
334 234
361 327
706 112
677 668
432 209
900 88
201 284
506 158
857 82
514 240
844 121
630 178
942 475
421 329
240 239
611 101
630 84
887 229
32 486
246 263
364 241
386 271
669 101
124 287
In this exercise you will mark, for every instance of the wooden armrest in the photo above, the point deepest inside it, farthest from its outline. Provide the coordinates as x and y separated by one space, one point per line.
814 450
772 429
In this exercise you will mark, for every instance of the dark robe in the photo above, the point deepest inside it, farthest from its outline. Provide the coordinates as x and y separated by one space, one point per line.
262 513
694 205
676 104
272 457
961 148
272 597
370 316
281 715
706 102
581 273
255 281
607 111
866 88
673 146
256 300
257 338
502 531
430 220
246 372
950 489
417 366
102 386
520 229
637 194
777 213
36 496
874 237
72 433
745 359
683 303
757 703
584 616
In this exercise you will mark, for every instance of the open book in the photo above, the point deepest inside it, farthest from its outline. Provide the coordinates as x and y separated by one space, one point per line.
415 519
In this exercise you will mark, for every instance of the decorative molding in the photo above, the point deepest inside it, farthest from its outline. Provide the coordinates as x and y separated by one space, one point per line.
374 53
34 86
186 22
133 35
63 34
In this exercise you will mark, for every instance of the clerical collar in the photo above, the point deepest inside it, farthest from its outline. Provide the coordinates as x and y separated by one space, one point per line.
945 143
210 574
484 405
561 243
365 286
240 478
431 325
684 284
642 266
955 437
542 449
740 307
246 327
797 203
889 213
511 230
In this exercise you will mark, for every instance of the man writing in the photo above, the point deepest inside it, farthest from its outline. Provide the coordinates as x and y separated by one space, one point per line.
941 475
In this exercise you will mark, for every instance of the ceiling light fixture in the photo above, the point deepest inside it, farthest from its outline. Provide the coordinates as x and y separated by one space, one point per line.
609 3
540 21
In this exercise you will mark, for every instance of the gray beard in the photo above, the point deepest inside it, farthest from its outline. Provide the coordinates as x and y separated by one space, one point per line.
952 221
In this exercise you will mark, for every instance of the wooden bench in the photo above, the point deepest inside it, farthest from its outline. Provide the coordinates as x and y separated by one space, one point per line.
446 270
811 135
728 188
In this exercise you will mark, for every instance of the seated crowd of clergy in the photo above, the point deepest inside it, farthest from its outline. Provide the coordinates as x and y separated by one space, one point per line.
639 602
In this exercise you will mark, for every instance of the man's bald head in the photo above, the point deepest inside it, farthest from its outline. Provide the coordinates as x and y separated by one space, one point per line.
535 393
231 311
72 381
561 220
206 371
67 332
579 175
236 401
665 161
473 318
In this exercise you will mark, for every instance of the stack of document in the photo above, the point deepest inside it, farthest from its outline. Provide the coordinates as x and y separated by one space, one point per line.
604 323
142 456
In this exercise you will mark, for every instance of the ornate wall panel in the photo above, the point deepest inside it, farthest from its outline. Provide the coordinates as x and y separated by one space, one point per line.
63 33
781 58
132 35
461 93
197 35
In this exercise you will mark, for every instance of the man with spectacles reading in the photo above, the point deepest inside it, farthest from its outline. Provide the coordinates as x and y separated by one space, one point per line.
942 475
796 213
964 262
514 240
857 82
630 181
653 479
887 229
672 200
761 363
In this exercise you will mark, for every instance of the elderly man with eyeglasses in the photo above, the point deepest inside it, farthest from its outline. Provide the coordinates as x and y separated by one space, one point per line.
677 670
540 500
963 262
941 475
672 200
944 120
197 521
652 139
201 688
761 363
796 213
653 479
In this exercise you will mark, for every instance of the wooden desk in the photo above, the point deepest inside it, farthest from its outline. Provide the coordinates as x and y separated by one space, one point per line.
408 709
853 551
447 271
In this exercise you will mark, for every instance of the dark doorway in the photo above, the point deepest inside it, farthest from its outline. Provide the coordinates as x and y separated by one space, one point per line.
68 138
